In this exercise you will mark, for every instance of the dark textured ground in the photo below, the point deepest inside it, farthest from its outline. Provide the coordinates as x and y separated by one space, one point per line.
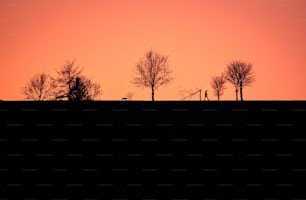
176 150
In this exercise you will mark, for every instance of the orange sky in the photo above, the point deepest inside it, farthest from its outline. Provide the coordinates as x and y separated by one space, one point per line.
107 38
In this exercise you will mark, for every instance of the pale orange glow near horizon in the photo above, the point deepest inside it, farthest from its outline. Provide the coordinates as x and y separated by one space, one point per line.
108 37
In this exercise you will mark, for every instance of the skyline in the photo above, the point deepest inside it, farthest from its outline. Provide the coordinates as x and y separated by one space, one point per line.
107 38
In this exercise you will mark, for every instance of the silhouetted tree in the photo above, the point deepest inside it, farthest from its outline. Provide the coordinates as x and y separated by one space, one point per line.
70 85
152 71
66 75
78 90
240 74
218 85
40 87
93 89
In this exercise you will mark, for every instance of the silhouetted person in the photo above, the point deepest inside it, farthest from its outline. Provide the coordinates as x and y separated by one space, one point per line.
206 95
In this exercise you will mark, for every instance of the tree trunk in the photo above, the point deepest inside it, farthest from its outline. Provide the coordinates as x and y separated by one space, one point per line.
236 90
153 93
241 96
218 96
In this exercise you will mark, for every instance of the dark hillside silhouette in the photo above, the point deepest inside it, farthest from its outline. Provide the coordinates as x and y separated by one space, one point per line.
144 150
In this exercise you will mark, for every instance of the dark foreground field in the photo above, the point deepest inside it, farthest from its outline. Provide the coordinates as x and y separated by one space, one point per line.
175 150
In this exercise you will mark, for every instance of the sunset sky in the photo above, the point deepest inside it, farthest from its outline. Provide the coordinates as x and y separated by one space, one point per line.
108 37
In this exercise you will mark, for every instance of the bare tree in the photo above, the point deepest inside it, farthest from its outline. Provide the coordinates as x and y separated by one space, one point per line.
218 85
93 89
152 71
240 74
40 87
71 85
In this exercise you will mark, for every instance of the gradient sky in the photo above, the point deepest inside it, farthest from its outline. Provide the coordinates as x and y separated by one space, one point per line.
107 38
